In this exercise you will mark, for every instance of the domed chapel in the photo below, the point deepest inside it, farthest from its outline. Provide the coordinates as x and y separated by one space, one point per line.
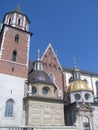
41 95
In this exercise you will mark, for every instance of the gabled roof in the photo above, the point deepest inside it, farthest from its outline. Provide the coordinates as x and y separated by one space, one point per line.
50 46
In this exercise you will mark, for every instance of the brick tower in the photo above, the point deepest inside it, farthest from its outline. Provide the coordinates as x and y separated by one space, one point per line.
14 44
14 57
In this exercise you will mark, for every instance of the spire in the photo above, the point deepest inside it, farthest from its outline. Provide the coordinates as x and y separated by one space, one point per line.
75 63
76 72
38 54
18 9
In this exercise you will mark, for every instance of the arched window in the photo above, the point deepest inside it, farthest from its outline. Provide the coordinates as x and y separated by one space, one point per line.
14 55
9 108
10 21
51 77
16 38
70 79
19 22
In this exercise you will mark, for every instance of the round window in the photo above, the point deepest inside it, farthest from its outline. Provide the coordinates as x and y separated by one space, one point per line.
34 90
77 96
45 90
87 96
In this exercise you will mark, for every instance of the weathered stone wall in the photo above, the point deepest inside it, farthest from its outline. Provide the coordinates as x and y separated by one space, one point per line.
44 113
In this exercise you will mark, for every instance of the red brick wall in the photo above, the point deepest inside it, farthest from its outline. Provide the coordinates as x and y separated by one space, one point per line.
13 69
9 45
51 66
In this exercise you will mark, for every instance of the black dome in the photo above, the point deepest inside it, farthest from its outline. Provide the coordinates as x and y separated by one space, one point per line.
39 76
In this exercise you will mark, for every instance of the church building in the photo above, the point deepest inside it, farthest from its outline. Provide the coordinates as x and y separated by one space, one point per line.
41 95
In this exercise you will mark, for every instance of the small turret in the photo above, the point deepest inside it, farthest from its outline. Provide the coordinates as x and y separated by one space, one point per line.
38 65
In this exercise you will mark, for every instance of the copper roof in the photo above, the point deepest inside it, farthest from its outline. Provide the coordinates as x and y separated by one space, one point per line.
39 77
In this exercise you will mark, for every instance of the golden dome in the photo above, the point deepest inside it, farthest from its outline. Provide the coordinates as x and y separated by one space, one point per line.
78 85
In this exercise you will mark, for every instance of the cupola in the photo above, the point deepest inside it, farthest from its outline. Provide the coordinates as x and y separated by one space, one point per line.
78 90
37 74
39 82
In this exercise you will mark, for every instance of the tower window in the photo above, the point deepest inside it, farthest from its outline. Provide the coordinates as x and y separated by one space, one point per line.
16 38
10 21
9 108
19 22
14 55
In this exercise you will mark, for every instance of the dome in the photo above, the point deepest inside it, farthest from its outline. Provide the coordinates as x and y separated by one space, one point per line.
39 76
78 85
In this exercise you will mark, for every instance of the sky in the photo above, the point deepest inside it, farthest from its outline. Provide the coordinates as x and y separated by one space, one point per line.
71 26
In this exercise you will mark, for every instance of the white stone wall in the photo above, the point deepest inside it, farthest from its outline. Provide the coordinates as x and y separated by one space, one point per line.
45 113
94 79
95 117
11 87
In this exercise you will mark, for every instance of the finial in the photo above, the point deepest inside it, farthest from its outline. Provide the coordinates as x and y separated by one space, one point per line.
18 9
38 54
76 72
74 62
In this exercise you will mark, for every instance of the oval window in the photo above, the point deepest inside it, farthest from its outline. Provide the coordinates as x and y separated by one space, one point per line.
45 90
87 96
34 90
77 96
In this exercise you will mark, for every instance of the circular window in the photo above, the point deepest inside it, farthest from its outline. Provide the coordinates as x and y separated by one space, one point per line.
45 90
34 90
87 96
77 96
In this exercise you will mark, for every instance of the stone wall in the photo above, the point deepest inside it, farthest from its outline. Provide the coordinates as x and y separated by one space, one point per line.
43 112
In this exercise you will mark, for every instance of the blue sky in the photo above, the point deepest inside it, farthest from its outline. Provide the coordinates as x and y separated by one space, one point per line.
71 26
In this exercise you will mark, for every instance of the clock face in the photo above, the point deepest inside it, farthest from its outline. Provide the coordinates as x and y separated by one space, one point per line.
77 96
87 96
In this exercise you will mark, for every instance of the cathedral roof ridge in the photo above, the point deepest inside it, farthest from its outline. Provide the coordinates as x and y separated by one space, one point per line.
81 71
